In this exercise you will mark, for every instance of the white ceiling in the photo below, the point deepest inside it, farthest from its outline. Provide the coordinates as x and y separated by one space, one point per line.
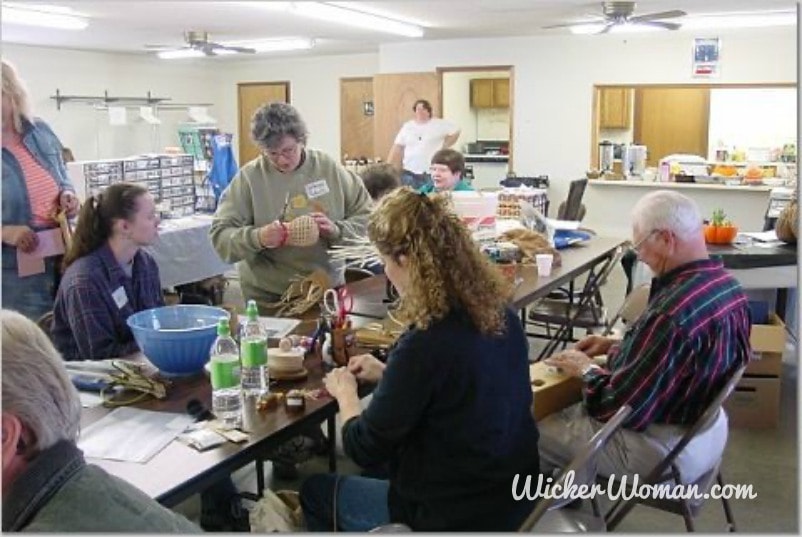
126 26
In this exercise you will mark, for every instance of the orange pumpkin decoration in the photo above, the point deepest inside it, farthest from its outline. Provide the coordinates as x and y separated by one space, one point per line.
720 230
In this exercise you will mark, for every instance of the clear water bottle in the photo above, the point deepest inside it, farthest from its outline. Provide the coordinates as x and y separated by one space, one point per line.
253 351
225 374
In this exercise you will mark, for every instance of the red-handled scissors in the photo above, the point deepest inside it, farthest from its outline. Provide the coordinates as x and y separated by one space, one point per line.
339 303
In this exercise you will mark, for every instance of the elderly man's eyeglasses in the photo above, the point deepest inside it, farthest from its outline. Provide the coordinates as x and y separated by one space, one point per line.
638 245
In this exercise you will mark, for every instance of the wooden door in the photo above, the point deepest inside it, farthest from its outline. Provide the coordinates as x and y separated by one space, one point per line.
250 97
356 118
615 108
663 130
394 96
501 92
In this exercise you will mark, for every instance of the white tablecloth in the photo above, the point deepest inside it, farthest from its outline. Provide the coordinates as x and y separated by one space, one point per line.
184 251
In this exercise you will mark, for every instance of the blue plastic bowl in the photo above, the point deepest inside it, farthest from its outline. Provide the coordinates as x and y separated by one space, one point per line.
177 339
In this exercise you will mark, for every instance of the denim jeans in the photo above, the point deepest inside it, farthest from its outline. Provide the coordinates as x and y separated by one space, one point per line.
415 180
361 502
33 295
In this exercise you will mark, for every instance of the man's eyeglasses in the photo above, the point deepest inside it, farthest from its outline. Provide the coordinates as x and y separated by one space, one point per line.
637 246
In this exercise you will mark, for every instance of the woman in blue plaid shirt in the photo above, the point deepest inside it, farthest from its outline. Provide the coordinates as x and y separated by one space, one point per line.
108 276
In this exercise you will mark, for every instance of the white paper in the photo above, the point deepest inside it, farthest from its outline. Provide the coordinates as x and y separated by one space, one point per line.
762 236
562 224
118 115
199 114
131 434
146 113
278 327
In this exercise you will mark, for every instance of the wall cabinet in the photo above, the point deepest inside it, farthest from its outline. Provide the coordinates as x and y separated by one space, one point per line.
490 93
615 108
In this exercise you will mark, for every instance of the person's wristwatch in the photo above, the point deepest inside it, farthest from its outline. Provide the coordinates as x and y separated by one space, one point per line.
590 367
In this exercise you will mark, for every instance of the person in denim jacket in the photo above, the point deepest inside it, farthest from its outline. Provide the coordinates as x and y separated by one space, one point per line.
47 484
35 187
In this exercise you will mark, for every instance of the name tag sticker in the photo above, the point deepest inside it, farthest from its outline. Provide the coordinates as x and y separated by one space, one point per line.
120 297
317 189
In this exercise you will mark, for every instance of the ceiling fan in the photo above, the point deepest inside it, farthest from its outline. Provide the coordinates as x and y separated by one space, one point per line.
620 13
199 41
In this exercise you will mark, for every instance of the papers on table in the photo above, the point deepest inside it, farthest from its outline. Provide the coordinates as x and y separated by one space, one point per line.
131 434
278 327
761 236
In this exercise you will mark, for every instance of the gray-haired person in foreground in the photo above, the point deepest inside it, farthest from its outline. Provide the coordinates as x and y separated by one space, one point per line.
47 485
286 181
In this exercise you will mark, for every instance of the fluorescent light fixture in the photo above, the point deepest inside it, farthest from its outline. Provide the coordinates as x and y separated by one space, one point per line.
274 45
740 20
43 16
344 15
180 54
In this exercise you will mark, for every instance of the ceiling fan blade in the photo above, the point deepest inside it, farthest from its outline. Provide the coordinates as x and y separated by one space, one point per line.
569 24
241 50
659 24
607 28
661 15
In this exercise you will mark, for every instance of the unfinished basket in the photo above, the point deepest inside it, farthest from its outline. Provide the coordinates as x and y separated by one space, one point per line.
302 231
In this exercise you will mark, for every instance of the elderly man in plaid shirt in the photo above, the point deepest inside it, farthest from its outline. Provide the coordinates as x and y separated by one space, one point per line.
671 362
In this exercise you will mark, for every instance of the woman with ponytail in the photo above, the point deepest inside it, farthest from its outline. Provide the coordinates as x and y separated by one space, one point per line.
107 275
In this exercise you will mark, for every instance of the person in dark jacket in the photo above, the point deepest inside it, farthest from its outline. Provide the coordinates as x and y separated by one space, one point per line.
47 484
451 412
35 188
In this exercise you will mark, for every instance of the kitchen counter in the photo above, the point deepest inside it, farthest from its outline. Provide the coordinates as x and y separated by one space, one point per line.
678 186
609 203
481 157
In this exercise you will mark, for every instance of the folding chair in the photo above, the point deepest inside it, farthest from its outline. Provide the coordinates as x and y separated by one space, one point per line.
573 208
582 309
547 516
667 472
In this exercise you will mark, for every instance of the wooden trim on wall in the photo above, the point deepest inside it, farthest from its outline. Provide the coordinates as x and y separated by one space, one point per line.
594 116
510 69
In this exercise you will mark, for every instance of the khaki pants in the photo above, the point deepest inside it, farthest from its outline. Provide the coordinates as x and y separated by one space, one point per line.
627 452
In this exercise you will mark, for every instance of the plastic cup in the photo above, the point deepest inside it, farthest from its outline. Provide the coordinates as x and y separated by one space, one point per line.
544 262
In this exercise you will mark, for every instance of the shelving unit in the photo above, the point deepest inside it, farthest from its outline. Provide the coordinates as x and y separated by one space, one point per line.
106 99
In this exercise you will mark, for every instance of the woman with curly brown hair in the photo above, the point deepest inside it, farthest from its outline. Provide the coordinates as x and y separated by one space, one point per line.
451 413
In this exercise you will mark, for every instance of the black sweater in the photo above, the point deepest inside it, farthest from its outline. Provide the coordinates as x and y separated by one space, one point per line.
452 416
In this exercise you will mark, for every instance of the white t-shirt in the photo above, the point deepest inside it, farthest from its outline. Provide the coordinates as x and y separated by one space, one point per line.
422 140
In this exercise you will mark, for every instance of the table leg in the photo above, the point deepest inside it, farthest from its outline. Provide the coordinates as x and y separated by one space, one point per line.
331 429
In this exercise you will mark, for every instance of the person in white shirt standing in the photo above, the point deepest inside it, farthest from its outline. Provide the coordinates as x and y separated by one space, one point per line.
417 142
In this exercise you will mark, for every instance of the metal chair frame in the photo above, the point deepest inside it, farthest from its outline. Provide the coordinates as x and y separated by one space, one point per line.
589 299
666 471
584 466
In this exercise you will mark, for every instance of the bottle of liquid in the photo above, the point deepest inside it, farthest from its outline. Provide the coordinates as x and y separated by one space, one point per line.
225 376
253 351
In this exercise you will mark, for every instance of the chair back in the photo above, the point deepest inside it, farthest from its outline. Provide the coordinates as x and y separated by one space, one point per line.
633 307
660 472
573 204
583 464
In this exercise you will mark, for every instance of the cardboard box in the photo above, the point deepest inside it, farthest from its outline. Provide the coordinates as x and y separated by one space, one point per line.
768 345
552 390
755 403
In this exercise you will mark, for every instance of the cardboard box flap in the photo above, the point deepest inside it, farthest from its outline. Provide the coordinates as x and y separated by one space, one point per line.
768 337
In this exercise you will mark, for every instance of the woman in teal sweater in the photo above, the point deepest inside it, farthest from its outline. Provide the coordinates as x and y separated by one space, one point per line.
447 169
